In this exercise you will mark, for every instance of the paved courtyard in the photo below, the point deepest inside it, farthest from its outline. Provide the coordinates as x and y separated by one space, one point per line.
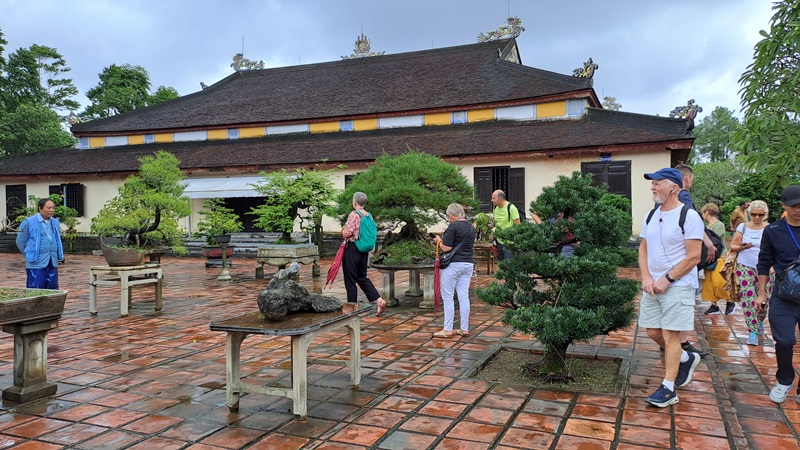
156 380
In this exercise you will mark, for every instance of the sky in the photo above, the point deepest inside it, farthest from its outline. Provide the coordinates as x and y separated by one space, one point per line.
653 55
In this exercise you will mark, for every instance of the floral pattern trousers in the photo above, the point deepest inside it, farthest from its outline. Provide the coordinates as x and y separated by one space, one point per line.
748 285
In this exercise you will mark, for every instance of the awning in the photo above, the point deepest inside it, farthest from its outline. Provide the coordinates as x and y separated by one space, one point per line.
221 187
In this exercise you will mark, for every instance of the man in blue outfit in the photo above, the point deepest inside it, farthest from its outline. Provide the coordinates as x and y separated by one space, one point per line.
39 239
668 258
780 246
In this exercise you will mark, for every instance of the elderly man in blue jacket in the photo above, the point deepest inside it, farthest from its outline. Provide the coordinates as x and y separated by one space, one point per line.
39 239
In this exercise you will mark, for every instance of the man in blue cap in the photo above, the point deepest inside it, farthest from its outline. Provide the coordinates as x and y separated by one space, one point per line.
780 248
668 258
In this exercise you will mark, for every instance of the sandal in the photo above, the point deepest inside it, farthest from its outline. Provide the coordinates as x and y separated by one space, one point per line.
442 335
462 333
381 307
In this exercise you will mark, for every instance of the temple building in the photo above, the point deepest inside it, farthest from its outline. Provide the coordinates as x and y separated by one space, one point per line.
507 125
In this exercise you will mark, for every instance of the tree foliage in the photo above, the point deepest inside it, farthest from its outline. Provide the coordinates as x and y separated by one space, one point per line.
31 128
217 220
288 196
121 89
162 94
146 210
712 136
561 300
770 135
29 105
611 103
412 189
715 182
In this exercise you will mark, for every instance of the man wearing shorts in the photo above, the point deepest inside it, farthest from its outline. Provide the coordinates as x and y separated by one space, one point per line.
668 257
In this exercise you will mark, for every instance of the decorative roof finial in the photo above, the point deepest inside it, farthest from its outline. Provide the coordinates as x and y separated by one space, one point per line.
241 63
362 49
513 29
587 71
73 118
688 112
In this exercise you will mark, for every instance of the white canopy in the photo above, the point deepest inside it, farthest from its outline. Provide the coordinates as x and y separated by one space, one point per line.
221 187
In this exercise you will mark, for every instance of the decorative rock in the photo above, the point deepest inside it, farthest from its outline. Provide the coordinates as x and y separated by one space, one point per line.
285 296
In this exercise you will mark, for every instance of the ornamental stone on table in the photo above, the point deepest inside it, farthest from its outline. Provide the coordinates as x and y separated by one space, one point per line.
285 296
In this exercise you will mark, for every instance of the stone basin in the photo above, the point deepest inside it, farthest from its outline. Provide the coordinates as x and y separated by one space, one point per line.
22 305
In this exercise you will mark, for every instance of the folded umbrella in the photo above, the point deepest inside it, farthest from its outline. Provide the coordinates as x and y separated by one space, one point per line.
437 281
337 263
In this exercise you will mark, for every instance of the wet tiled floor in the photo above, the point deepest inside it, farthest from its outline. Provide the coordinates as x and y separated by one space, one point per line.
157 380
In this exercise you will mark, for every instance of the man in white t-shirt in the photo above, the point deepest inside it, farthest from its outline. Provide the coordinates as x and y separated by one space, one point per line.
668 256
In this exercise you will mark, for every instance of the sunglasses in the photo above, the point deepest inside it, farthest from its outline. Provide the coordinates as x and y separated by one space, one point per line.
758 215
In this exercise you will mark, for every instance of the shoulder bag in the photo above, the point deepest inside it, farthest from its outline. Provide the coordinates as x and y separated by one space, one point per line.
787 283
447 257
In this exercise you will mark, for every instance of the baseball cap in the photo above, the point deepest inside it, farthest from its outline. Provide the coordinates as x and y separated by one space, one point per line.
790 196
673 175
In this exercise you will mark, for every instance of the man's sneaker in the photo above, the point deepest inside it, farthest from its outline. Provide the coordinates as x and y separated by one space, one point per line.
662 398
779 392
753 339
730 307
713 309
690 348
686 369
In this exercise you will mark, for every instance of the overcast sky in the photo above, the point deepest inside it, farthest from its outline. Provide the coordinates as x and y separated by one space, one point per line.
653 55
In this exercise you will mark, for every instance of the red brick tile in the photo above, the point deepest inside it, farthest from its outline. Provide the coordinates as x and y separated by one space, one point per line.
115 418
380 418
36 445
35 428
443 409
566 442
427 424
590 429
472 431
151 424
705 442
159 443
114 439
458 444
359 434
528 439
641 435
403 440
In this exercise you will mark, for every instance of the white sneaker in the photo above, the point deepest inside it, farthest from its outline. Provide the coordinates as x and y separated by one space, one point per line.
779 392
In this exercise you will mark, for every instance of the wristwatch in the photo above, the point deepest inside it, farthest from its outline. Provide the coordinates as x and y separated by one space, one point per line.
669 278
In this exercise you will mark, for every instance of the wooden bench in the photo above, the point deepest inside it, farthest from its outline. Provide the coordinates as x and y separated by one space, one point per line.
126 277
303 328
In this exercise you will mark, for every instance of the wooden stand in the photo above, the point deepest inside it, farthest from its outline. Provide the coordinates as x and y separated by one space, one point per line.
126 277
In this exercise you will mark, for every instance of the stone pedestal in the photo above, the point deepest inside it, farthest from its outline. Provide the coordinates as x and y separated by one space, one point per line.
30 361
283 255
414 273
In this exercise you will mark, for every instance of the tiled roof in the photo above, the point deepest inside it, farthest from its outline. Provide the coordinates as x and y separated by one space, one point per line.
598 130
430 79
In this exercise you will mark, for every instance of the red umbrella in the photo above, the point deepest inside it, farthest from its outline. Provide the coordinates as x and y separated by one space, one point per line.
337 263
437 281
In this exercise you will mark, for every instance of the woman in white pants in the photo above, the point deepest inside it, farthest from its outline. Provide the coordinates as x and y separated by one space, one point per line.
456 277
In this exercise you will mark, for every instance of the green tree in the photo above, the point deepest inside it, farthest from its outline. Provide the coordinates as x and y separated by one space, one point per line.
715 182
611 103
59 91
561 300
712 136
289 196
31 128
162 94
411 190
121 89
22 82
770 135
756 186
146 210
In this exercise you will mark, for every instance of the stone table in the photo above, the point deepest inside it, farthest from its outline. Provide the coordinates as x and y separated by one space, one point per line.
283 255
414 272
303 328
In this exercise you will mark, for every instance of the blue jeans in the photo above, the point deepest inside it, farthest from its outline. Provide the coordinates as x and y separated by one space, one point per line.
45 278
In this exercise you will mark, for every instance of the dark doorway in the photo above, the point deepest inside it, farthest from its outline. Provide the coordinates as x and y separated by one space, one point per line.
241 206
16 198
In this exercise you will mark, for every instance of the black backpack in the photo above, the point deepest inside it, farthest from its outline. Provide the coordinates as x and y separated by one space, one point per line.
715 239
520 211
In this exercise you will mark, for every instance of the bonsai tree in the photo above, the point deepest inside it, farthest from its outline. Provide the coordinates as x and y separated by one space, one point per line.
217 220
483 227
558 299
146 210
304 196
411 191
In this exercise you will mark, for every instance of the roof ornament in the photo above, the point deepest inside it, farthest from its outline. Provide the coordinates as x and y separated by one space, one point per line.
587 71
73 118
688 112
513 29
203 85
362 49
241 63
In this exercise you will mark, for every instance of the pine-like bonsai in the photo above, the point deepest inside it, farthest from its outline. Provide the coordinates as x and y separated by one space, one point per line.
288 196
218 220
146 210
411 191
558 299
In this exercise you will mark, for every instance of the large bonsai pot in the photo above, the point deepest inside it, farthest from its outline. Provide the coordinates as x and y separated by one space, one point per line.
211 252
21 305
118 257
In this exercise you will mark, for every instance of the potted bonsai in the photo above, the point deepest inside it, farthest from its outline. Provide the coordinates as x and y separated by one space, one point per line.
143 217
293 199
218 221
